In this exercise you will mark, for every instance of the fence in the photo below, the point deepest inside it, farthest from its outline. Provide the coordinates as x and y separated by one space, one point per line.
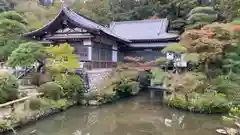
8 108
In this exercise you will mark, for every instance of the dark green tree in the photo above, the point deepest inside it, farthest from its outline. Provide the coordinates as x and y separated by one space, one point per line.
12 25
200 16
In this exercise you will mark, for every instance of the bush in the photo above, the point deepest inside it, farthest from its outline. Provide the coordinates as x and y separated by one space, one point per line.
188 82
144 79
8 87
158 76
72 85
35 104
202 103
51 90
126 87
39 79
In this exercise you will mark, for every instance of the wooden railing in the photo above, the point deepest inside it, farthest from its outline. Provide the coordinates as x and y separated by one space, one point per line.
10 107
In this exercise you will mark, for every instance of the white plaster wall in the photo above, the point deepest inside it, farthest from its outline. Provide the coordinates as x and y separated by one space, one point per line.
87 42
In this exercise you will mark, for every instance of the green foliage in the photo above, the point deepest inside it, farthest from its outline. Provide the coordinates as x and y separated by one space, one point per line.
107 98
144 79
228 85
13 15
200 16
205 10
191 57
175 48
161 60
39 79
72 86
235 22
26 54
12 25
231 61
188 82
53 104
126 87
51 90
62 58
8 87
202 103
158 76
35 104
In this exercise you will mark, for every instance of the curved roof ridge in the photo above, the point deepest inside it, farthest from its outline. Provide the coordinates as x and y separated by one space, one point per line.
48 24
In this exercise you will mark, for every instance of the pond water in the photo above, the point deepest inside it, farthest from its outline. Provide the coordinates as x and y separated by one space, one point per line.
135 116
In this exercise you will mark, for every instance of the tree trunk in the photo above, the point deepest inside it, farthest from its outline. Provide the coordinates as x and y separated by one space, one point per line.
41 67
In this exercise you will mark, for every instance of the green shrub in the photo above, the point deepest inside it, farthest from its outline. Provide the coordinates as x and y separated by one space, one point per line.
203 103
126 87
8 87
144 79
158 76
228 86
235 22
39 79
188 82
51 90
129 74
107 98
72 85
35 104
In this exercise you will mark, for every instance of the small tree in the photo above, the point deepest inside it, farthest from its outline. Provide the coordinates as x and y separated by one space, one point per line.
12 25
62 58
27 54
201 16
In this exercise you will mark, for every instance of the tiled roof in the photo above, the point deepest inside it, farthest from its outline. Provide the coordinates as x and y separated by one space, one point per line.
143 29
76 19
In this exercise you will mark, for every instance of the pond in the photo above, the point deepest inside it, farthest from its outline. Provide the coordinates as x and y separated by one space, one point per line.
135 116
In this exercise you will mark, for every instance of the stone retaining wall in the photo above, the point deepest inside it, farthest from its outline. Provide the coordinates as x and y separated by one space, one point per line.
97 77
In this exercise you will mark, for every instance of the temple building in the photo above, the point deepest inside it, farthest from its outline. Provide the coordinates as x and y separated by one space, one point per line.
102 47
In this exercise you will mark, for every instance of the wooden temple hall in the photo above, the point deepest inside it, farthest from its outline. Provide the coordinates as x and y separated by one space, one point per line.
102 47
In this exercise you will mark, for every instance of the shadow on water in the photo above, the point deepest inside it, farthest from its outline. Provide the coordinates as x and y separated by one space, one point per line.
139 115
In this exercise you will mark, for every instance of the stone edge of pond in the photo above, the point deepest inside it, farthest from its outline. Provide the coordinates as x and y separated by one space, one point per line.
38 116
46 113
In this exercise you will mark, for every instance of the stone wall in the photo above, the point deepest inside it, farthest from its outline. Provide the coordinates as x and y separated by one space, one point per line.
97 77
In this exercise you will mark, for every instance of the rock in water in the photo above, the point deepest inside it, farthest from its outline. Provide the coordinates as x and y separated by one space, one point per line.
237 124
231 131
93 102
222 131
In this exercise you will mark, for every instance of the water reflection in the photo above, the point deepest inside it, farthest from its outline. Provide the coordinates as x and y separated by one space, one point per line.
137 116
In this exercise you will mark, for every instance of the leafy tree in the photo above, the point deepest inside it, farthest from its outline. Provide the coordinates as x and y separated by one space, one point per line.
27 54
175 48
201 16
12 25
35 13
62 58
228 9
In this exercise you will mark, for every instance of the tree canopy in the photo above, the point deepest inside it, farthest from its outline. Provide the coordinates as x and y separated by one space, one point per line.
12 25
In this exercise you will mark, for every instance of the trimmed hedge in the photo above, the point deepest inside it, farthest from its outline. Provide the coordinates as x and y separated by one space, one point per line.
51 90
